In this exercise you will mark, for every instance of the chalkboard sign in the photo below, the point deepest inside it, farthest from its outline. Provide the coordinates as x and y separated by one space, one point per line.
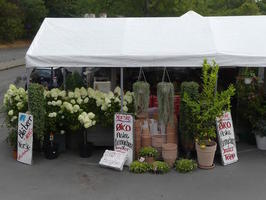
113 159
226 137
25 138
123 135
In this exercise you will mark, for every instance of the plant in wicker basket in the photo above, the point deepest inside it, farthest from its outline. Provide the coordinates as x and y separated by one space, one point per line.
141 91
139 167
159 167
185 165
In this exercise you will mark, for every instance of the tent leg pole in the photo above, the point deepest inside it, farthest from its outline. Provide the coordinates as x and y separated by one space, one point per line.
64 78
122 87
28 76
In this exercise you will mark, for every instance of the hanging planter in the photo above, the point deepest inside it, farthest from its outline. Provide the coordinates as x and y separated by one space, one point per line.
141 91
165 92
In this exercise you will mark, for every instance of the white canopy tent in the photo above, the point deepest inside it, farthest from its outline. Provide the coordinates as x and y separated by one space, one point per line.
149 42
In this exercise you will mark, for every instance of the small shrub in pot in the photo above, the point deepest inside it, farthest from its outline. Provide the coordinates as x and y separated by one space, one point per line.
159 167
149 153
139 167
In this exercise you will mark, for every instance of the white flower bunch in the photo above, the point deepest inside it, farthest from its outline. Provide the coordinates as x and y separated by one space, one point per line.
52 115
87 119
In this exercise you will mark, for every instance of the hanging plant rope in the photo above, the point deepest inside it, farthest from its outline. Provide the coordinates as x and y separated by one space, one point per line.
165 93
141 91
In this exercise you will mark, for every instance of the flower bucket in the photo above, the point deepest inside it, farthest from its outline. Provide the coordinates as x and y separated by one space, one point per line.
206 155
248 81
169 153
261 142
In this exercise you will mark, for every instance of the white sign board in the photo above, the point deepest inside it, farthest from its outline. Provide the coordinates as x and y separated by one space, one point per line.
123 135
226 138
25 138
113 159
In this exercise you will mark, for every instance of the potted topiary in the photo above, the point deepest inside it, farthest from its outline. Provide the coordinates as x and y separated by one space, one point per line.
159 167
139 167
187 125
210 105
260 133
149 153
185 165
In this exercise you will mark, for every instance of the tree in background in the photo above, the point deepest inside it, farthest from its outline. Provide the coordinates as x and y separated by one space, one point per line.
11 26
262 6
63 8
34 12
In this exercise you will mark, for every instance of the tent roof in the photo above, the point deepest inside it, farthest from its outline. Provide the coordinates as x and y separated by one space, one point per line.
149 42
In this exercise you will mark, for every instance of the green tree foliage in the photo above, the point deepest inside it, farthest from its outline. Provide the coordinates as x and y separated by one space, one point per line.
262 6
37 109
34 12
11 26
63 8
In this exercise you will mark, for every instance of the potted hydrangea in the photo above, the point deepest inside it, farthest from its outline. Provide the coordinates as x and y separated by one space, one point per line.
87 121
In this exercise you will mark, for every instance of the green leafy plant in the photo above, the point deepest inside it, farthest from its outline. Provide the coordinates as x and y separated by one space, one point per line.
73 81
210 104
159 167
141 91
185 165
148 152
187 126
165 92
12 139
260 128
139 167
37 107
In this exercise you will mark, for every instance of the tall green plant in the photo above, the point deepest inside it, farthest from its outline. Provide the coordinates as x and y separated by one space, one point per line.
37 109
211 104
165 93
73 81
141 91
186 121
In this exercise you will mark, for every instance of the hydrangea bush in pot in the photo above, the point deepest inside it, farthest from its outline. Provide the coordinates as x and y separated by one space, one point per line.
210 105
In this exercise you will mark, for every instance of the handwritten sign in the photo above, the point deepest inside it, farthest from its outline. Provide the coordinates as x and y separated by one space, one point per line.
123 135
113 159
25 138
226 138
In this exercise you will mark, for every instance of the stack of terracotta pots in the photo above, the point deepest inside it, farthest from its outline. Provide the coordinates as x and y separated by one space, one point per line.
145 137
171 135
157 142
137 137
169 153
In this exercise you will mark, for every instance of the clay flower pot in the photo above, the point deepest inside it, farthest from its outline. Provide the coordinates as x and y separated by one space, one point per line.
157 142
149 160
169 153
206 155
146 140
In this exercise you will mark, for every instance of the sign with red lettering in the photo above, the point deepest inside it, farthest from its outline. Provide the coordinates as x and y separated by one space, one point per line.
25 138
123 135
226 138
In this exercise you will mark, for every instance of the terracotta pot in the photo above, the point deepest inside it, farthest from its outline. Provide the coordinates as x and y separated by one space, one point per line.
149 160
137 146
169 153
206 155
171 138
14 154
145 131
158 140
146 140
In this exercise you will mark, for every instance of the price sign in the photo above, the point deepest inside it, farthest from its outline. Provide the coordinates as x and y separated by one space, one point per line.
25 138
113 159
123 135
226 138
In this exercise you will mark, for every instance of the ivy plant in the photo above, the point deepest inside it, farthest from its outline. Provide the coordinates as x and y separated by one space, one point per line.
37 109
210 104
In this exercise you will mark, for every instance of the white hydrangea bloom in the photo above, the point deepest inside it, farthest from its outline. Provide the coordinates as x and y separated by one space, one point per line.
10 113
117 90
